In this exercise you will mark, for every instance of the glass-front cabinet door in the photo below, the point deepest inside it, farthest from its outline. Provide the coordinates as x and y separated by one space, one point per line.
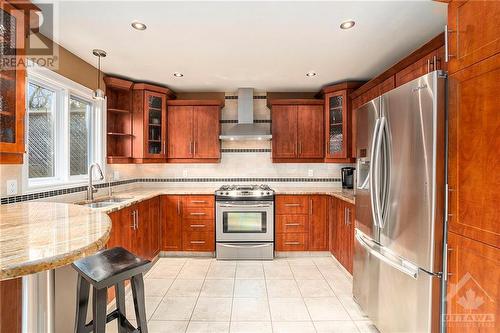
156 123
336 124
12 85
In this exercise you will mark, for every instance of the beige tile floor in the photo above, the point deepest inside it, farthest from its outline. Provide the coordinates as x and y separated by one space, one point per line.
281 296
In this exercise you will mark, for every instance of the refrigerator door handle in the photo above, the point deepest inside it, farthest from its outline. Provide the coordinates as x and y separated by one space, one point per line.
376 172
370 171
374 249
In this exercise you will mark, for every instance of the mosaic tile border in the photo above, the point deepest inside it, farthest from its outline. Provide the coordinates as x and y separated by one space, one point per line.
245 150
235 121
236 97
69 190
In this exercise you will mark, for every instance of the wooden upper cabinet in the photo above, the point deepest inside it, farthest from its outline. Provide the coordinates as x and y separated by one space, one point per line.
193 130
150 123
310 131
418 68
155 125
337 125
318 223
474 32
284 130
473 288
473 151
339 122
297 128
12 88
180 131
206 131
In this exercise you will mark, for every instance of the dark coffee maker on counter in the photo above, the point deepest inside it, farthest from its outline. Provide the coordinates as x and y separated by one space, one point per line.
347 177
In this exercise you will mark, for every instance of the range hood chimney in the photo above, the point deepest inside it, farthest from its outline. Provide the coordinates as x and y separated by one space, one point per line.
246 129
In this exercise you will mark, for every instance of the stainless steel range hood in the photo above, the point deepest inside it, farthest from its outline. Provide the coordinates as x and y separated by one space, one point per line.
246 129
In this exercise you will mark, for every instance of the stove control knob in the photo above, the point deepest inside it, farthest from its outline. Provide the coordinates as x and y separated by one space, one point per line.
268 193
261 193
227 193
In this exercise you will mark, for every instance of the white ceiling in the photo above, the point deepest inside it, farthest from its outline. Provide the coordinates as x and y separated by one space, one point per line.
220 46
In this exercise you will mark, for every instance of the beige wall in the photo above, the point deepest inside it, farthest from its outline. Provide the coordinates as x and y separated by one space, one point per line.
75 68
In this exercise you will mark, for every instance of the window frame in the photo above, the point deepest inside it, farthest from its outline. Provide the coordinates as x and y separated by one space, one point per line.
65 89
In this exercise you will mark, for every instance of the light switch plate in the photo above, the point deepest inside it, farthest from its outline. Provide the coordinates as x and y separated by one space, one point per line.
116 175
184 173
310 173
11 187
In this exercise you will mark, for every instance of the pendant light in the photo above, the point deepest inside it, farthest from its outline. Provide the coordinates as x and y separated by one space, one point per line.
98 93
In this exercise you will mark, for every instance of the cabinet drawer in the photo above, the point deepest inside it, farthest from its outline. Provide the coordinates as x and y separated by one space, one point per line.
192 213
291 223
292 204
291 242
198 241
198 226
203 201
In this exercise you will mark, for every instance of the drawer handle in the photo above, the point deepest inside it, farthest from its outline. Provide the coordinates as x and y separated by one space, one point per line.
292 243
197 242
197 226
292 205
292 224
198 214
198 201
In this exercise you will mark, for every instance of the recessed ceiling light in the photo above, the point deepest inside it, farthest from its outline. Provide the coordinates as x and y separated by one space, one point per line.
311 74
177 74
347 24
138 25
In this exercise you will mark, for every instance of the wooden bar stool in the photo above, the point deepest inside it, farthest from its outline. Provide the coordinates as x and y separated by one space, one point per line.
105 269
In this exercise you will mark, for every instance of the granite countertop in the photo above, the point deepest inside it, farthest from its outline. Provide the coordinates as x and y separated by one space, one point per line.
38 236
137 195
346 195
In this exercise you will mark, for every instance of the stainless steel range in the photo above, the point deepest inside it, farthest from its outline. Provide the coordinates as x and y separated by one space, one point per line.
244 224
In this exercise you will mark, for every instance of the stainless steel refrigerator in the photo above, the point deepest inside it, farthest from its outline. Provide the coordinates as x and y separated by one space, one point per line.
400 206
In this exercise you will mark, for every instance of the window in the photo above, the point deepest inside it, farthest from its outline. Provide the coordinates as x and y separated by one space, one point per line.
79 135
41 103
64 130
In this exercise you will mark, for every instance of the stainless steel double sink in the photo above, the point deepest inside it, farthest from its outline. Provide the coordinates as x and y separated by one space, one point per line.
102 202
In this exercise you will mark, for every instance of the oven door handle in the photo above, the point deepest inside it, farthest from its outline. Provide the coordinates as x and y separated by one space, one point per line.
247 246
244 206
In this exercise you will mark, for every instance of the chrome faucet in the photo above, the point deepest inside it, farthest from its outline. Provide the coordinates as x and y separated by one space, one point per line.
91 189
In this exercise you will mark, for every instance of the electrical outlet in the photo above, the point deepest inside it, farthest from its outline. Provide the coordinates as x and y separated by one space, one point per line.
310 173
11 187
184 173
116 175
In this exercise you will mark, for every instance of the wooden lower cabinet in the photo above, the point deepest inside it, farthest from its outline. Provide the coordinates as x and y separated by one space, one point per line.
171 222
188 223
318 223
11 306
198 241
142 237
341 222
292 241
301 223
473 286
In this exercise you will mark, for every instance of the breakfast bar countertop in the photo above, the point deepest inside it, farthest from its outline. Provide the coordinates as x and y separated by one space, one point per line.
39 236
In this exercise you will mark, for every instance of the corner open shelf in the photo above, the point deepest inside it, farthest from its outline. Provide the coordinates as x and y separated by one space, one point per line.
119 120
